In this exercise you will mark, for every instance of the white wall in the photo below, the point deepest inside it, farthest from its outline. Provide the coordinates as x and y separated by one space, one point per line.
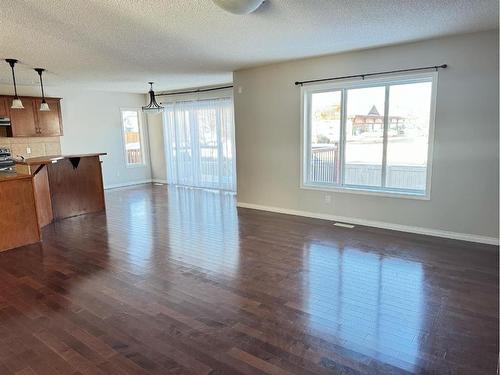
464 196
92 123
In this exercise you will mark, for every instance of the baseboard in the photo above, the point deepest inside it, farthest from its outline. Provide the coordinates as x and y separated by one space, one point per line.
124 184
377 224
159 181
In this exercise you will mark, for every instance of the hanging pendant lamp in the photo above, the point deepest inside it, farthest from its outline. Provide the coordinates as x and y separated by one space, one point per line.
153 106
43 105
16 103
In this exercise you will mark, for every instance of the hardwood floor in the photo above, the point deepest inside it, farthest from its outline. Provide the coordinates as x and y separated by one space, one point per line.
177 281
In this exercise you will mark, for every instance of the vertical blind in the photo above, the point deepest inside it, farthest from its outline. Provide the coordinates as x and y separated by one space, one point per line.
199 139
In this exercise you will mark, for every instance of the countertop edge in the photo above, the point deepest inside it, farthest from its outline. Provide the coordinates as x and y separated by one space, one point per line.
54 158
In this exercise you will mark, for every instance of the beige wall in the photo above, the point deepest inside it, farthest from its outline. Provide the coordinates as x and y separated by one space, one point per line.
464 194
92 123
157 148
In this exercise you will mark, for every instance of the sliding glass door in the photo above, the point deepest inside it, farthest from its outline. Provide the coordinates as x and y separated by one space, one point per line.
199 139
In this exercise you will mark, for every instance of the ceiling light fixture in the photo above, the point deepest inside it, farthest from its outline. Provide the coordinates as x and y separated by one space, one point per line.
16 103
43 105
153 106
239 6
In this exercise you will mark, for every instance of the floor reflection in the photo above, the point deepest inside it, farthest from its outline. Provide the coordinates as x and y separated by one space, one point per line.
203 229
195 226
365 300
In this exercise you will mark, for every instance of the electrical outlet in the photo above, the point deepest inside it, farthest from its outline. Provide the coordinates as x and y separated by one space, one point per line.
28 150
240 89
328 198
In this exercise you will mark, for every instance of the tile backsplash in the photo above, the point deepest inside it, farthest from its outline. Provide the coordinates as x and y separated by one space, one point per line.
39 146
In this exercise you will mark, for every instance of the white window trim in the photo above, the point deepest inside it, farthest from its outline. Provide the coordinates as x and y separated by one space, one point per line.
141 136
305 102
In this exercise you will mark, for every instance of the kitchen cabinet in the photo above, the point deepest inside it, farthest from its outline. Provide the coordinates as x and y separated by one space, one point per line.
22 121
30 121
4 112
17 204
49 123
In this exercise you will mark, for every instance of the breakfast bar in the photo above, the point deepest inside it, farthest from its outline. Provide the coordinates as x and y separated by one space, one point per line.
65 185
46 189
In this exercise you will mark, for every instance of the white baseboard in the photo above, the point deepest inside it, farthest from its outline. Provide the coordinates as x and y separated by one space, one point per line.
124 184
377 224
159 181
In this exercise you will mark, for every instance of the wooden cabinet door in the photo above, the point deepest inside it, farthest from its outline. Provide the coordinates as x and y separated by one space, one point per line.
23 121
4 112
49 123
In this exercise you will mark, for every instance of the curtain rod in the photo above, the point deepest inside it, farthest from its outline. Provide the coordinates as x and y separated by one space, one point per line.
362 76
196 91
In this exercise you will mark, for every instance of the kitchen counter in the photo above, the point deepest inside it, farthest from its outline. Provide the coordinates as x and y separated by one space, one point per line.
54 158
46 189
65 185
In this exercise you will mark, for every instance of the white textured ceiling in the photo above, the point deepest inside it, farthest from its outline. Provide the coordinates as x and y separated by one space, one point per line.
120 45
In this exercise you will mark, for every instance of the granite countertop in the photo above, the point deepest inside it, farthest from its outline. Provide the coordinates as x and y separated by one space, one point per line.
55 158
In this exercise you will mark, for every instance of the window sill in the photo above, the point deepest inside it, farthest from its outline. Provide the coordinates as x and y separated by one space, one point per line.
373 192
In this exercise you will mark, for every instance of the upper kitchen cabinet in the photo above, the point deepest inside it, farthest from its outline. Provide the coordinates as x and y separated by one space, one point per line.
30 121
22 121
49 122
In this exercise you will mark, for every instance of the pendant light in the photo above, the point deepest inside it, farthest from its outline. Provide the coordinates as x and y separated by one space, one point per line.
153 106
43 105
16 103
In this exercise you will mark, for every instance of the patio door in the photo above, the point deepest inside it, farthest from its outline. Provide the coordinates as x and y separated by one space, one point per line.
199 139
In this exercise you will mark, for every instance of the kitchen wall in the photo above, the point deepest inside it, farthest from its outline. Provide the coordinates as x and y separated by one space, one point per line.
464 196
39 146
91 123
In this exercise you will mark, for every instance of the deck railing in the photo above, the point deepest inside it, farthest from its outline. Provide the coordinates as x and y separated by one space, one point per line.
134 156
325 168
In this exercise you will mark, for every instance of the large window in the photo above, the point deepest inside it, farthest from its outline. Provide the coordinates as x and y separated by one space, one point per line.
370 135
199 139
132 136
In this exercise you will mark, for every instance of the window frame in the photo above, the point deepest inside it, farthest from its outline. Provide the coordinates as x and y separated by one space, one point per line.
306 92
141 138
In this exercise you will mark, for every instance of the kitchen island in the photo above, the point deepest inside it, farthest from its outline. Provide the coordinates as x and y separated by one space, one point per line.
65 185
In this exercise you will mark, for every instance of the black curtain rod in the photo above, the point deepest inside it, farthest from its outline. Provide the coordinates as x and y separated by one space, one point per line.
363 76
196 91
